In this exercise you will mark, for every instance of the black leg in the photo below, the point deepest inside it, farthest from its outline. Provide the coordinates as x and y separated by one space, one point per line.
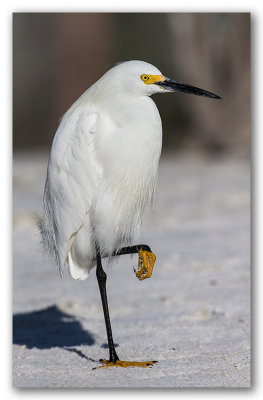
102 277
131 249
142 273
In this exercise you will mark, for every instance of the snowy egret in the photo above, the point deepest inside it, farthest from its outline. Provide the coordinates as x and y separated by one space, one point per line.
102 174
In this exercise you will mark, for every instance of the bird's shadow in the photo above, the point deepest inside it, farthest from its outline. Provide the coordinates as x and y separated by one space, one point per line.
50 327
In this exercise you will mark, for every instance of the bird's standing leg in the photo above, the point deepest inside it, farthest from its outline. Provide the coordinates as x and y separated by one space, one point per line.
113 359
102 277
145 262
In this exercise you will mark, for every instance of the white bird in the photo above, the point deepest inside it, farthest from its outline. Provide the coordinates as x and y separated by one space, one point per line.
102 175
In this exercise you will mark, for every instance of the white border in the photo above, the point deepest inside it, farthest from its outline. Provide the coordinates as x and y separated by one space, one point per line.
6 175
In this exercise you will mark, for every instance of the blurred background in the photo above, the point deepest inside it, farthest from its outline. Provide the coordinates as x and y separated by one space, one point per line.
57 56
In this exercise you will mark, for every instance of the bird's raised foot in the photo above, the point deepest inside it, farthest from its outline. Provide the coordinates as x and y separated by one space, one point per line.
145 264
126 364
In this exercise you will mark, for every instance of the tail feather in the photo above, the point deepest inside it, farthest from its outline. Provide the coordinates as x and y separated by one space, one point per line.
47 230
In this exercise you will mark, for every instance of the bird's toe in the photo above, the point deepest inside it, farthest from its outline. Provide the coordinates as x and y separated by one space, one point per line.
145 264
126 364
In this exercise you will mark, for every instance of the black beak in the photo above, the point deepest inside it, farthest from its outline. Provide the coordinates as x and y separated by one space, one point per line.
174 86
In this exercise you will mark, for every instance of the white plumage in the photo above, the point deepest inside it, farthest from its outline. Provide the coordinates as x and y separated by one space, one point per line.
103 165
102 169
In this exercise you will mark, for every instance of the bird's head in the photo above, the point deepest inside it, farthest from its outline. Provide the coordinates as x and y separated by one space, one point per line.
142 78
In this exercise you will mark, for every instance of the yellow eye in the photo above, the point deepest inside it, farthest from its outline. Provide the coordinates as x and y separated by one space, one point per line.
145 77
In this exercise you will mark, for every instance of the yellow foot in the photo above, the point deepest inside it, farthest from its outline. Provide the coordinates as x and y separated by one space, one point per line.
145 264
126 364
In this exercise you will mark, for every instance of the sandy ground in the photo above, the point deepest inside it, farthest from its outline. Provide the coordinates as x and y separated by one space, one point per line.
193 315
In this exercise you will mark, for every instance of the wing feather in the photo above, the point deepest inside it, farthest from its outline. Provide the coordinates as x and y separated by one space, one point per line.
72 179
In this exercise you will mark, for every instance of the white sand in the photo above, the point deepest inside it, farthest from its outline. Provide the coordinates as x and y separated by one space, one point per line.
193 315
